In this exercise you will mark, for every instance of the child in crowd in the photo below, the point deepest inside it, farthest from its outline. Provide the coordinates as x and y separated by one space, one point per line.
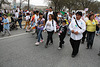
40 26
6 25
62 34
27 20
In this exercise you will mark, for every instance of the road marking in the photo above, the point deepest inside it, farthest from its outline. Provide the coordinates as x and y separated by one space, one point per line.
13 36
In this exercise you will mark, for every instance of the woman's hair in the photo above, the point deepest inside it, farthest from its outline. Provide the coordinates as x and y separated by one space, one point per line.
90 16
51 16
40 13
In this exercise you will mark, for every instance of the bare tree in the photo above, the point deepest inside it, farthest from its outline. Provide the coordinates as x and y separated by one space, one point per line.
3 2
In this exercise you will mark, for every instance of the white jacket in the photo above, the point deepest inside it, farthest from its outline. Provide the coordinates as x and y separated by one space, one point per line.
50 25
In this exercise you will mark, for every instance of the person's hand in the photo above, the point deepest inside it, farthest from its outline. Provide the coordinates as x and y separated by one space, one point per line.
40 25
72 31
32 23
60 31
55 32
76 32
44 30
38 19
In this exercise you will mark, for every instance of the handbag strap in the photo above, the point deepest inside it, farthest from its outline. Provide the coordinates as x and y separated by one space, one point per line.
77 24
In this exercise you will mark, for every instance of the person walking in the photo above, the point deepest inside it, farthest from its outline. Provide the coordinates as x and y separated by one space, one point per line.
1 25
6 25
20 20
36 20
50 27
27 20
91 29
62 34
40 26
77 27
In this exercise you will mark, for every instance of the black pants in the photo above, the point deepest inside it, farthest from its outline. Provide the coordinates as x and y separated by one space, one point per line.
84 36
90 39
49 37
61 37
75 46
36 30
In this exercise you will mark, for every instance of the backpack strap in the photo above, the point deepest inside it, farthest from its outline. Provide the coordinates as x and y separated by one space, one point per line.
77 24
53 23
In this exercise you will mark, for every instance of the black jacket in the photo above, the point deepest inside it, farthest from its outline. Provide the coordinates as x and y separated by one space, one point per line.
63 30
1 26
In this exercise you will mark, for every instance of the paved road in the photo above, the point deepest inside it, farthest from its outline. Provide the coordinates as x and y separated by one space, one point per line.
20 51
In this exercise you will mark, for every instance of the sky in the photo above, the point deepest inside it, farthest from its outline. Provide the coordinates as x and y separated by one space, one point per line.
35 2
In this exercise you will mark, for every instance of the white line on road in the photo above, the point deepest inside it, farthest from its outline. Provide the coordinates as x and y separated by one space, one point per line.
13 36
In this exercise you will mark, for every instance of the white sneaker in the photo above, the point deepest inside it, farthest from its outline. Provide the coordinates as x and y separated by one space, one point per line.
42 41
37 43
59 48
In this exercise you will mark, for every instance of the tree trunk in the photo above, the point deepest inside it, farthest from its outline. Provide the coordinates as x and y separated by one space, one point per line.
0 6
20 4
28 4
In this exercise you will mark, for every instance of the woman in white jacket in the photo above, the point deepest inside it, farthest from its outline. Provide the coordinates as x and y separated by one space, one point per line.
50 27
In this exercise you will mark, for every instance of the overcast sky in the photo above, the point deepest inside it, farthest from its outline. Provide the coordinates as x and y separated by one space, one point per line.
37 2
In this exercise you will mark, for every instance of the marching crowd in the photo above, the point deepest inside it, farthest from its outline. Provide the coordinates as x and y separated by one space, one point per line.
80 26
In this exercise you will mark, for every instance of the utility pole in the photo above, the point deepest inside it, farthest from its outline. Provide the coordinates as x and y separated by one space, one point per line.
28 4
20 4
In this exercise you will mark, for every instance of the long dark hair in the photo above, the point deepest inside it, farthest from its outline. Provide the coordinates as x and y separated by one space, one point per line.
90 16
52 16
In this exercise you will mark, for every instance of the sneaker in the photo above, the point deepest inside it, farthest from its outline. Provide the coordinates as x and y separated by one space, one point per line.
36 37
9 35
50 43
73 56
59 48
99 54
42 41
37 43
46 46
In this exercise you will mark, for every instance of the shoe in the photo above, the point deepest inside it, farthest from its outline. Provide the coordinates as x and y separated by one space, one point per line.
42 41
59 48
73 56
99 54
36 37
9 35
50 43
87 48
90 47
82 42
46 46
3 35
37 43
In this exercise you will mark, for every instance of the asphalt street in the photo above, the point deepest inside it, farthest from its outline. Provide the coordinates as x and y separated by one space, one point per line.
19 50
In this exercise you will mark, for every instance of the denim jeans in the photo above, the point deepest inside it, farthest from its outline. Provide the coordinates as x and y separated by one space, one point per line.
90 39
20 23
40 35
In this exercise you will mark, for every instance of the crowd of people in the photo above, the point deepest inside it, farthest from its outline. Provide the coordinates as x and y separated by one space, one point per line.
80 26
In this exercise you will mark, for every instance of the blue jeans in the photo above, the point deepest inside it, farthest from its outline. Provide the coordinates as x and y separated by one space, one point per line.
20 23
40 35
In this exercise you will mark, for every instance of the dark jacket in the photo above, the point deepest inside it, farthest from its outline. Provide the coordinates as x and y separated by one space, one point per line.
1 26
63 30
